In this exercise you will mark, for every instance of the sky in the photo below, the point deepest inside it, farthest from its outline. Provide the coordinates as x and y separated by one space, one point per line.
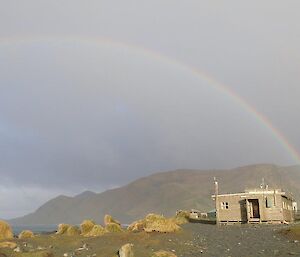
95 94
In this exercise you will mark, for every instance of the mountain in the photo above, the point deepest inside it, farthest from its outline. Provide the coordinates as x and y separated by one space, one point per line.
163 192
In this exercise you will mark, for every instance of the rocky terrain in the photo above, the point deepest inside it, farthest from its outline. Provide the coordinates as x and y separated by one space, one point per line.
191 240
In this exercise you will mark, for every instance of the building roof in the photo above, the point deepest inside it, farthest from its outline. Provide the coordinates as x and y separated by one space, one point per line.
259 191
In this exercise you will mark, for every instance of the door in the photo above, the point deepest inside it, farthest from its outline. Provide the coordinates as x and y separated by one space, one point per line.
253 209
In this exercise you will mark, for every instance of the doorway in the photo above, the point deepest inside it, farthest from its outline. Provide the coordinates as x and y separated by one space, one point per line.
254 208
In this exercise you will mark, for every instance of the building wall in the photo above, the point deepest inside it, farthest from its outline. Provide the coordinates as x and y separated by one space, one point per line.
271 212
236 209
272 207
287 209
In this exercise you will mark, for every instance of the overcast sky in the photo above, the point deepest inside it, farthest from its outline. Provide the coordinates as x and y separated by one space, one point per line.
78 115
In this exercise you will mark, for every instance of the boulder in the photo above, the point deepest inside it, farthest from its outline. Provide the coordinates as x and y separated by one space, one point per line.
25 234
97 230
5 230
113 227
126 251
11 245
62 229
86 226
109 219
162 253
73 231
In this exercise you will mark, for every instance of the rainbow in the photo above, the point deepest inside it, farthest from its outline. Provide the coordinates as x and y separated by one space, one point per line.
259 117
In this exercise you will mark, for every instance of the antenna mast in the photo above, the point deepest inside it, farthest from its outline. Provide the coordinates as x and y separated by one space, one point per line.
216 199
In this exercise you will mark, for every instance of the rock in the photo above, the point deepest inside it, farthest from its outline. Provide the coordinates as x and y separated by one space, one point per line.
162 253
97 230
86 226
10 245
126 251
113 227
17 249
25 234
5 230
73 231
62 229
82 248
109 219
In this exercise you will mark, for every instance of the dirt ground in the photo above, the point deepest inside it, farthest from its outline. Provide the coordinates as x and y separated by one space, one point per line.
193 241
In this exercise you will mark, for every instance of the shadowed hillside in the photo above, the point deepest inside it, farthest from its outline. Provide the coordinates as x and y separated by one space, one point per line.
162 193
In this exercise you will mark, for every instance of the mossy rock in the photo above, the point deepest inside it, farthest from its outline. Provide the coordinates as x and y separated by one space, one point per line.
113 227
25 234
62 229
86 226
97 230
162 253
5 230
109 219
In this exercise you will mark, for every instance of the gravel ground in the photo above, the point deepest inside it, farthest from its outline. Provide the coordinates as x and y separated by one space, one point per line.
239 240
194 240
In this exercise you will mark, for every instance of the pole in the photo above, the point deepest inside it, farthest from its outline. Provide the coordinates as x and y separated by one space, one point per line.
216 200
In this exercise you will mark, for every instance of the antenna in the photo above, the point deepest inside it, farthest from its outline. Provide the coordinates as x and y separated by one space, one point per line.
262 185
216 199
216 186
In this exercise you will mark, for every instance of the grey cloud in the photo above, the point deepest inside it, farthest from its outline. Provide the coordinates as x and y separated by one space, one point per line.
77 116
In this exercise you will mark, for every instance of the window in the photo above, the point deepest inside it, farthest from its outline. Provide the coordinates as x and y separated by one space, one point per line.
284 205
224 205
269 202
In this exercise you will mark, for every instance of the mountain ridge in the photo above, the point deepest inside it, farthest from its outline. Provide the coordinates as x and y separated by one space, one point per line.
163 192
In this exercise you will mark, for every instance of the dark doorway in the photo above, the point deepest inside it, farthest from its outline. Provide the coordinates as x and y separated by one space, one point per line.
254 208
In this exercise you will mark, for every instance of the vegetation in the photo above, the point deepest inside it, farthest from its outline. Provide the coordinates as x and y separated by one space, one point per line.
86 226
5 230
154 223
163 253
26 234
73 231
96 231
293 232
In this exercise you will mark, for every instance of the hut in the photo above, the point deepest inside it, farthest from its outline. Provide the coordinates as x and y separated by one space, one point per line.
255 206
